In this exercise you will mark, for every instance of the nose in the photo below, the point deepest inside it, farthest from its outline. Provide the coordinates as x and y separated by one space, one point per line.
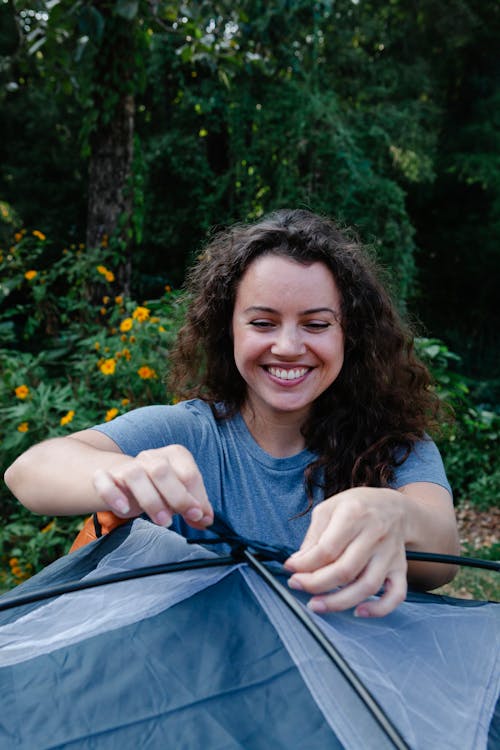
288 342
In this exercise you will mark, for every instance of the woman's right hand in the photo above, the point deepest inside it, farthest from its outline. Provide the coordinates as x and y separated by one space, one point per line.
159 482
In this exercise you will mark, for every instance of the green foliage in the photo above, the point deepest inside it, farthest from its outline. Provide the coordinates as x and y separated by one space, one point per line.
471 445
68 363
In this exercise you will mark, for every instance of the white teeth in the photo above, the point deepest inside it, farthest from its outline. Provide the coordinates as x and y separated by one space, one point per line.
288 374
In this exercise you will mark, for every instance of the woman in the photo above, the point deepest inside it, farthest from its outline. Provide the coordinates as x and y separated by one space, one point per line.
306 423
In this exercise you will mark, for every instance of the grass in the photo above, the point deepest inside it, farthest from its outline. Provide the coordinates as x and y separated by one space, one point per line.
473 583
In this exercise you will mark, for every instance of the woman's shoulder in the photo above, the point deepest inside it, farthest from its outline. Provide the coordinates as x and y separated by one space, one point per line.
158 425
422 464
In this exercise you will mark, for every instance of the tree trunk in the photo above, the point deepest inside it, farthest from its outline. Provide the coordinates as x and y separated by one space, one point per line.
110 193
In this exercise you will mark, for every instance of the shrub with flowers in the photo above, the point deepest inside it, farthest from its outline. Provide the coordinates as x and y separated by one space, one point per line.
74 351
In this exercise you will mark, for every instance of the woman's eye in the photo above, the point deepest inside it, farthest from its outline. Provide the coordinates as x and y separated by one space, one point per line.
317 325
261 323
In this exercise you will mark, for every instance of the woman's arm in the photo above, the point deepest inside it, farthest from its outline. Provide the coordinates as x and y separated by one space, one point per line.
357 540
87 472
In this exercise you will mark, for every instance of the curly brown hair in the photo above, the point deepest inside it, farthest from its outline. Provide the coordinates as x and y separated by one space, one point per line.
366 421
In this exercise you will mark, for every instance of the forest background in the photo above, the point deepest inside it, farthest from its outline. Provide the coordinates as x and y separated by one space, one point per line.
133 129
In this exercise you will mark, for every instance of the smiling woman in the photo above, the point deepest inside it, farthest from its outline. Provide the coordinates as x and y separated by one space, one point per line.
304 422
288 343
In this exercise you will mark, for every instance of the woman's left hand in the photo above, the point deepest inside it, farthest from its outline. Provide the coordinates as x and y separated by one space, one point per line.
355 544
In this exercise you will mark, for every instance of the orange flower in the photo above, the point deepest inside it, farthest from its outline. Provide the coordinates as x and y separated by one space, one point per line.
22 392
168 288
23 427
110 414
146 373
48 527
30 275
39 235
141 314
125 401
108 366
126 324
119 300
68 417
108 275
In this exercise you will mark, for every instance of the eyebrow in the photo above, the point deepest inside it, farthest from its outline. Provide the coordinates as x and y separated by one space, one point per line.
311 311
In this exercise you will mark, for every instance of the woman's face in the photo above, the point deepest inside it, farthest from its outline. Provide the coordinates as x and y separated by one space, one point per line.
288 341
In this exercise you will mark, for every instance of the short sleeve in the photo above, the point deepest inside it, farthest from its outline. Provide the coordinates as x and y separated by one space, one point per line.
424 464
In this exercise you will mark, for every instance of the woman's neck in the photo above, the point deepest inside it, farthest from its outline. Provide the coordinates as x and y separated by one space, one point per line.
278 434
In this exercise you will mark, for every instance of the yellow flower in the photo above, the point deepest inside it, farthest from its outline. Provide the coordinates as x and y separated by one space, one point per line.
141 314
22 391
39 235
97 346
119 300
161 329
126 353
108 366
146 373
13 562
23 427
103 311
110 414
125 401
67 417
108 275
105 299
30 275
18 236
48 527
126 324
168 288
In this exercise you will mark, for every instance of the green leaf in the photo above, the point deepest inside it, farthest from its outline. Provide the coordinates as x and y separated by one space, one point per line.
127 9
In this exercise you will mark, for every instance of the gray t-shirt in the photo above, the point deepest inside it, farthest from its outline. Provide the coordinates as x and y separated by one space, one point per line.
258 494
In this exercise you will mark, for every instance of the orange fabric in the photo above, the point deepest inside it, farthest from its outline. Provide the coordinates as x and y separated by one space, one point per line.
106 520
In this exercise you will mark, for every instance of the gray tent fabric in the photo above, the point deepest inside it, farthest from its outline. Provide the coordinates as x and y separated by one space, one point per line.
213 658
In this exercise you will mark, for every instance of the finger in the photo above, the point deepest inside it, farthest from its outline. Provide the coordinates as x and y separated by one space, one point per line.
357 593
189 474
140 485
171 475
341 572
115 497
395 589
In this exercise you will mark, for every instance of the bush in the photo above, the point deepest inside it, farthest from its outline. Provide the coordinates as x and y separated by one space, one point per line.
470 446
87 354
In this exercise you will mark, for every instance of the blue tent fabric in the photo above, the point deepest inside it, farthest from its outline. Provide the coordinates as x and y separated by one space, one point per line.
212 658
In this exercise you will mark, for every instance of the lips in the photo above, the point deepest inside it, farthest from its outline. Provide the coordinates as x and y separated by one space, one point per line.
289 374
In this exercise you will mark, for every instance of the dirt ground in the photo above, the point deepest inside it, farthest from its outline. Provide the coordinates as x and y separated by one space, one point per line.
478 528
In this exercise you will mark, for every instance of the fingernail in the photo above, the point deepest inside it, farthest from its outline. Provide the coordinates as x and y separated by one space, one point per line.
207 520
121 506
317 605
194 514
163 518
361 612
294 584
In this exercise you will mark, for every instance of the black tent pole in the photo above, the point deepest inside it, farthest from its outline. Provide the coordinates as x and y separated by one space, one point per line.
358 686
